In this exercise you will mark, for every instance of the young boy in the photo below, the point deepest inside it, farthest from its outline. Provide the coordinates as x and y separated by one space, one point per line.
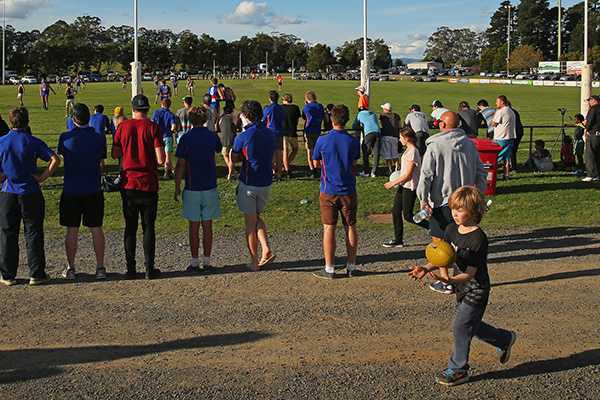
540 159
196 157
472 286
578 143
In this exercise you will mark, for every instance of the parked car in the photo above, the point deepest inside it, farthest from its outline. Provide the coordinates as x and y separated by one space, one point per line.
568 77
430 78
522 75
51 78
147 76
96 77
14 80
384 78
416 79
65 78
183 74
30 79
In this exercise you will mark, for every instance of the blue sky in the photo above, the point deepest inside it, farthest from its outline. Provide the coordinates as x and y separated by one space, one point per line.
403 25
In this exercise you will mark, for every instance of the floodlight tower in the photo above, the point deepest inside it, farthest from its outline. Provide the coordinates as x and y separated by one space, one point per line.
136 66
365 79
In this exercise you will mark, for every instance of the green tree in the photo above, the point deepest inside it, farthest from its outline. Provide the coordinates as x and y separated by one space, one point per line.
382 58
500 58
319 58
297 53
537 26
488 56
497 32
524 58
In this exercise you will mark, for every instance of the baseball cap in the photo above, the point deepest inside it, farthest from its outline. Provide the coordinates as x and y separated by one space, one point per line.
436 103
361 88
188 100
118 111
415 107
81 113
140 102
594 97
387 106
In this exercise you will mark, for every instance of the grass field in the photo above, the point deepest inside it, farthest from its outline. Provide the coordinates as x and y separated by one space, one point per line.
556 198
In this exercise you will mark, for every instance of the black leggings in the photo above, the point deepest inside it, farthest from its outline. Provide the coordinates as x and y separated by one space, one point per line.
404 204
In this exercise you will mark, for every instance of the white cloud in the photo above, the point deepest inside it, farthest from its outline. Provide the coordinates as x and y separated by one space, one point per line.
414 48
259 15
21 9
416 36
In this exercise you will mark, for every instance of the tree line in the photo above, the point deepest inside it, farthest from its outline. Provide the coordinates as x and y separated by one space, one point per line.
533 37
87 44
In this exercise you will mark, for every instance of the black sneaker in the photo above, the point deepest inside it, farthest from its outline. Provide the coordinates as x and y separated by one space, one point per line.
152 273
194 270
393 243
311 174
451 378
354 273
504 354
40 281
442 288
324 274
208 269
131 274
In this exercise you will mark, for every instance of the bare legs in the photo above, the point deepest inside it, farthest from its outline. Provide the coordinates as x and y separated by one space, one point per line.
256 231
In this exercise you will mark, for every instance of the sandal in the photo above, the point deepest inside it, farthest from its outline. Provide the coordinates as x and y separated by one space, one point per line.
268 260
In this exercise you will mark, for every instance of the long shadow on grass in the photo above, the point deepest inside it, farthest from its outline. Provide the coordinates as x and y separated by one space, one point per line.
554 277
579 360
27 364
546 233
544 187
550 255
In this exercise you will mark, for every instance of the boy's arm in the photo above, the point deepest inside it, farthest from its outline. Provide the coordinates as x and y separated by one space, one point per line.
179 168
458 279
419 272
54 163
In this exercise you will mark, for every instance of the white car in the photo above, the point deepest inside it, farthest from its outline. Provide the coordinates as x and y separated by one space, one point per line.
30 79
147 76
14 80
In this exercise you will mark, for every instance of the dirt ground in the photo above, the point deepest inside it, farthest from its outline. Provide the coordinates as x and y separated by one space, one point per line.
283 334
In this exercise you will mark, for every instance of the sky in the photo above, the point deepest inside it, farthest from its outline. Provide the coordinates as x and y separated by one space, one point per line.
403 25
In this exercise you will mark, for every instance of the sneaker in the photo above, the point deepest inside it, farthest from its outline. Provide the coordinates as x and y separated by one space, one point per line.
441 287
131 274
364 174
152 273
393 243
324 274
354 273
192 269
504 354
504 177
39 281
373 175
100 274
311 174
69 274
588 179
8 282
208 268
451 378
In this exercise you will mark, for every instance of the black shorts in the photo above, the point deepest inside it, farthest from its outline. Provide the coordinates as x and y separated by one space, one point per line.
73 207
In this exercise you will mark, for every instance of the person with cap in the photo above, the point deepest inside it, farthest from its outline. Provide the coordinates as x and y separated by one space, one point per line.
437 109
390 127
417 121
592 142
469 119
313 114
371 142
99 121
83 151
140 142
505 132
486 114
183 123
273 116
168 124
22 199
363 100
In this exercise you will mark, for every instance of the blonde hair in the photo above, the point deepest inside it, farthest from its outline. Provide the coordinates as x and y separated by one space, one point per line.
470 200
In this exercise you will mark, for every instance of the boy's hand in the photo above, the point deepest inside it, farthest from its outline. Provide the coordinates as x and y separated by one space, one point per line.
445 281
417 273
177 193
37 177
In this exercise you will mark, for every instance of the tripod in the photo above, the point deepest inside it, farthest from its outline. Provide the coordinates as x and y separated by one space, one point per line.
561 133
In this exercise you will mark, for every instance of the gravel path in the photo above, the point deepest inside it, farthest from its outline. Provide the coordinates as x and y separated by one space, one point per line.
283 334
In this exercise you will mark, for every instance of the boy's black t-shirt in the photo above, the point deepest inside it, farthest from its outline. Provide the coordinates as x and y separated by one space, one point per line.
291 114
471 250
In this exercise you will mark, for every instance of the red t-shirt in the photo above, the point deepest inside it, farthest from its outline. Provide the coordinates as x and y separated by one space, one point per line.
138 138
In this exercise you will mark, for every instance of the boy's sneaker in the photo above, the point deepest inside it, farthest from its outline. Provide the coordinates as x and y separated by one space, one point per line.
440 287
588 179
8 282
193 270
451 378
354 273
39 281
69 274
504 354
152 273
324 274
100 274
393 243
208 268
364 174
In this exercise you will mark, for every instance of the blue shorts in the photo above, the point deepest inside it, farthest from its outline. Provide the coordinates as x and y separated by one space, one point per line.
168 141
506 151
200 205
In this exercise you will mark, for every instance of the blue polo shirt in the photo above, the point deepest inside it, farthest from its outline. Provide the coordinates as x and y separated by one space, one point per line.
19 152
70 124
99 122
257 144
198 147
337 151
82 149
273 117
165 118
313 113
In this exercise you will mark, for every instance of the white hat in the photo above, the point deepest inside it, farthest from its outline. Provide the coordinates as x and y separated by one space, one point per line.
387 106
361 88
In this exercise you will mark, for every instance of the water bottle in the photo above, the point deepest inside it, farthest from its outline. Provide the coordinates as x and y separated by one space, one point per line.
420 216
488 204
303 201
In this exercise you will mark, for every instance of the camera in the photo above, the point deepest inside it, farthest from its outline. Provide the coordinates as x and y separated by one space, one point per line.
562 110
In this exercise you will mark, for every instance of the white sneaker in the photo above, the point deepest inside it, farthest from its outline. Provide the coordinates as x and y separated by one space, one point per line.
588 179
364 175
373 175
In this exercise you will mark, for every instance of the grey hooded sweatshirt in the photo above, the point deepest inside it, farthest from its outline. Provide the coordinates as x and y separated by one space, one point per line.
451 161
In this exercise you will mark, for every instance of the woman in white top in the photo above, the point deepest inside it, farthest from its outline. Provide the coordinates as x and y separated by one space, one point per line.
404 202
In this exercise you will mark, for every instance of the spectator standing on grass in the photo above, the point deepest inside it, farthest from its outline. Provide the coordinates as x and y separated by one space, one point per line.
338 151
227 126
578 142
486 115
327 123
417 121
255 148
363 100
390 128
451 161
505 132
200 197
273 116
183 123
371 142
117 119
291 115
437 109
313 115
99 122
519 133
22 199
592 142
211 113
168 124
83 151
139 141
469 120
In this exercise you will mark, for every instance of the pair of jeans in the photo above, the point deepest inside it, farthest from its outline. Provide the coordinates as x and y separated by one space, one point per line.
144 204
404 204
30 208
592 155
468 324
371 142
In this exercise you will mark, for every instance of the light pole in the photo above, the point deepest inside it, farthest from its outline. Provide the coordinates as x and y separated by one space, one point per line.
586 69
136 66
559 29
4 42
365 79
508 47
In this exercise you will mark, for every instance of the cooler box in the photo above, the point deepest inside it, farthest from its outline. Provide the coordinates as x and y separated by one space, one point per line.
488 152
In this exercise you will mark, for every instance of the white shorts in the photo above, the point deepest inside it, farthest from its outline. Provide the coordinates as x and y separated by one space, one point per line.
389 147
19 96
252 199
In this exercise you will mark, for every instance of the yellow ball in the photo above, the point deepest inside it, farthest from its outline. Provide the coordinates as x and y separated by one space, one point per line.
441 254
